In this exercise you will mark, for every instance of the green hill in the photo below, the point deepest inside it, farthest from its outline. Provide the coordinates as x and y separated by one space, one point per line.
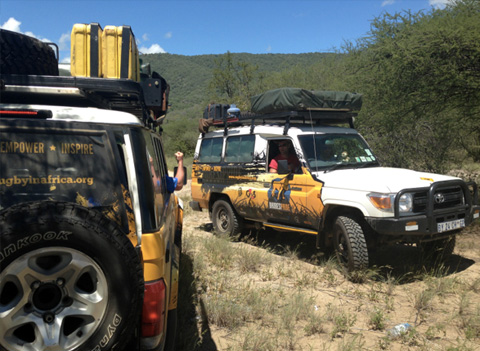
189 76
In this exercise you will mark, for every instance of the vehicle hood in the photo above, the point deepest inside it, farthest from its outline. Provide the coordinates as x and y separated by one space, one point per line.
379 179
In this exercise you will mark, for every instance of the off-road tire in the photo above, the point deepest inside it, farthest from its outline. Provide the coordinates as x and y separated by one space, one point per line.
350 244
68 266
225 219
22 54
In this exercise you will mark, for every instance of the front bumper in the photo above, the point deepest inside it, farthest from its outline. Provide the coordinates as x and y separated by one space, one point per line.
447 206
421 225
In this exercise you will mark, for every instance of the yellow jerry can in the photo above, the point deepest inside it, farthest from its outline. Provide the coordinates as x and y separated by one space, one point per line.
86 50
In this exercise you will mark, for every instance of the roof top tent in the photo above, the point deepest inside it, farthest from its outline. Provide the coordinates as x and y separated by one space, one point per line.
286 106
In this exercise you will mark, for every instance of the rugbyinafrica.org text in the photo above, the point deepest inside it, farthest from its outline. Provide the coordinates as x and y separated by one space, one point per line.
24 181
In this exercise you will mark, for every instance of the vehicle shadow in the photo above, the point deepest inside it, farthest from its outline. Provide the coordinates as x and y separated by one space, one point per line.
193 332
406 263
403 263
299 245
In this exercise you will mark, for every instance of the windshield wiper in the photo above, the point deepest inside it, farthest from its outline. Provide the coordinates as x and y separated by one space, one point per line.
368 164
336 166
351 165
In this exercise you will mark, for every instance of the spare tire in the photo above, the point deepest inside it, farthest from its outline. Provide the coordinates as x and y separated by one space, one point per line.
69 279
22 54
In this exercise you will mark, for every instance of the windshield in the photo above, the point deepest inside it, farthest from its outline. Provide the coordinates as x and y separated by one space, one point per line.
325 151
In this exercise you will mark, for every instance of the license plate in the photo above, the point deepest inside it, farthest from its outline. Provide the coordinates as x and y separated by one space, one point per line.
451 225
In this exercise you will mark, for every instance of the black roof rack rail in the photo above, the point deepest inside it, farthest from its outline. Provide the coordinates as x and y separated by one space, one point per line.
115 94
320 116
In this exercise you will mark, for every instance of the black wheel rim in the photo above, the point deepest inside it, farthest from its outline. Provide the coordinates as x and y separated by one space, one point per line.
223 220
342 248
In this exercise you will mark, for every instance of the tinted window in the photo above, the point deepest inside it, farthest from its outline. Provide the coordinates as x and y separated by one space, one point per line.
240 148
211 150
57 166
140 140
159 172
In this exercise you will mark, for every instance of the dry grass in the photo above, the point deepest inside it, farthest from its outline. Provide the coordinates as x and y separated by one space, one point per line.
262 293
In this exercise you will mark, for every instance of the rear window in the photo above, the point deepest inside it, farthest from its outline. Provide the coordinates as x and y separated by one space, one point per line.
240 148
211 150
59 166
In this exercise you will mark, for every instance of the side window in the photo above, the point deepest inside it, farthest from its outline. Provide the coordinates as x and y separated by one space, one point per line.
283 157
156 168
160 162
211 150
240 148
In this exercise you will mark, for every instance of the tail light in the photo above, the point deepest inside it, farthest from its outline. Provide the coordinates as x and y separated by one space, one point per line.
42 114
153 314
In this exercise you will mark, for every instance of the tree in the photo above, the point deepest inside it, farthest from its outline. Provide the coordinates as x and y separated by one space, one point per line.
420 75
234 82
327 73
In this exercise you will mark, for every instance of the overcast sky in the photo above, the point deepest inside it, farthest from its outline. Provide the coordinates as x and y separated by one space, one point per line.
189 27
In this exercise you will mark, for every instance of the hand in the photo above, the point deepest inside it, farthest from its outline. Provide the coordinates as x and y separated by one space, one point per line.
179 156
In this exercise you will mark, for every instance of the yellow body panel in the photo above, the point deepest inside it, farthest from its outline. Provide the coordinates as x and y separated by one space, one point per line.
153 249
174 281
263 197
175 271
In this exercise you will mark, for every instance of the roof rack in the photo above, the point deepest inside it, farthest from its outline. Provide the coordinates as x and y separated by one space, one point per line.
114 94
318 116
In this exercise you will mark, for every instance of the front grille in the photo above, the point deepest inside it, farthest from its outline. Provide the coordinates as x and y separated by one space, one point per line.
448 198
443 198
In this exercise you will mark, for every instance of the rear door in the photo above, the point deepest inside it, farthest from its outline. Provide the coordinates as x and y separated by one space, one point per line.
64 162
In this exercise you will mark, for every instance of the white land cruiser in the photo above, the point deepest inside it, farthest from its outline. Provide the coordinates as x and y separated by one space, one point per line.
338 190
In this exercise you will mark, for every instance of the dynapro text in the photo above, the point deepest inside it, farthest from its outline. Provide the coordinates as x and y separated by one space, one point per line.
112 327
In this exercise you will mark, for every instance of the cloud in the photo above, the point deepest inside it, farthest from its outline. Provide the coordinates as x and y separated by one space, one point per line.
12 24
153 49
168 35
30 34
388 2
440 3
64 42
145 37
269 49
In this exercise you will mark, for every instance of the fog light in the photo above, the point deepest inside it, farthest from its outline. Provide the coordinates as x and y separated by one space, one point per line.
411 226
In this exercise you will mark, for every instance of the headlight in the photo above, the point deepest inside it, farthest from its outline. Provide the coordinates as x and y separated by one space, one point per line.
383 202
406 202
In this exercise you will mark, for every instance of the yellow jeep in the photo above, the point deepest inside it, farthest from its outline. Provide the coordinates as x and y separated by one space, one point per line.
90 232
